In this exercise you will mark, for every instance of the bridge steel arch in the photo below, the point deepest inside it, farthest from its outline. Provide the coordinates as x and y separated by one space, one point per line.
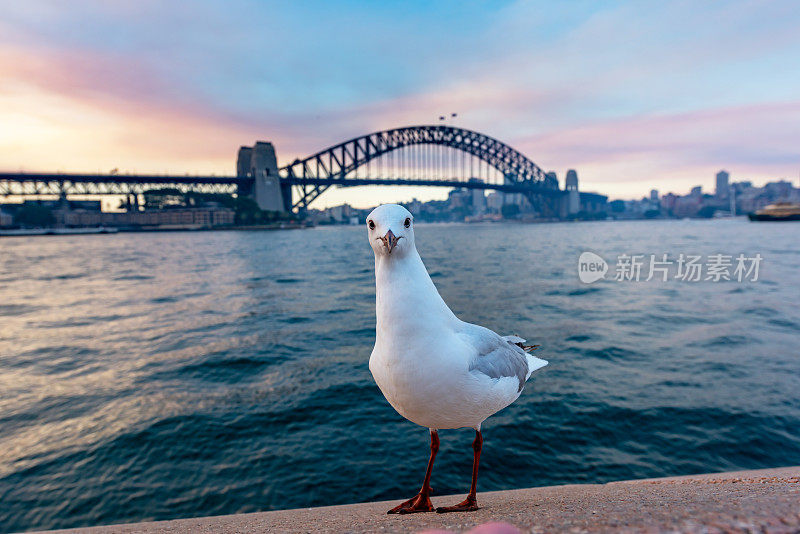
314 174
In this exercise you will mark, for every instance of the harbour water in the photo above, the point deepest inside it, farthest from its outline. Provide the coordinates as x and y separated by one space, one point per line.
166 375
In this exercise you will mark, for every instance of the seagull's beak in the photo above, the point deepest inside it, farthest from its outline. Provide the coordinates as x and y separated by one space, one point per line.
389 241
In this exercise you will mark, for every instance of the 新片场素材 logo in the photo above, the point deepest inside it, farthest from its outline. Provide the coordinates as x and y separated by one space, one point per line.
591 267
662 268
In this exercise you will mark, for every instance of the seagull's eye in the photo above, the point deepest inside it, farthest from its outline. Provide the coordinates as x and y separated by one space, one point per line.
407 224
371 224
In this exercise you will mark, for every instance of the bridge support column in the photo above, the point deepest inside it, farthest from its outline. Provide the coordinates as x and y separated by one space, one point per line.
263 168
573 197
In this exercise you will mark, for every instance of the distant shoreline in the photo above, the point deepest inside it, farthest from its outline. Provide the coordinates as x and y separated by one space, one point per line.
29 232
25 232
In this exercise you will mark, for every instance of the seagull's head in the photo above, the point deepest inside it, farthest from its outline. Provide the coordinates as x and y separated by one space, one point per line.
390 228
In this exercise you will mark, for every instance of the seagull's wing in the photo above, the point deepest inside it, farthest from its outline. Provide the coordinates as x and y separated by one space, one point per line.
498 357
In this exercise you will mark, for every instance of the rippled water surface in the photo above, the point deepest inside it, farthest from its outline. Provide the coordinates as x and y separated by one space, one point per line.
151 376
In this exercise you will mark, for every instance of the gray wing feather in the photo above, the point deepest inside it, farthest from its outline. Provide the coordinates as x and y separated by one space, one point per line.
496 356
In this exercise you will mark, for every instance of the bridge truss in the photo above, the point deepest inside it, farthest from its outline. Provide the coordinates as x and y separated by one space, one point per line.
35 184
418 155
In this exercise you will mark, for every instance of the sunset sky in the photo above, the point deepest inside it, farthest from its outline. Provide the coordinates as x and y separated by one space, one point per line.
633 95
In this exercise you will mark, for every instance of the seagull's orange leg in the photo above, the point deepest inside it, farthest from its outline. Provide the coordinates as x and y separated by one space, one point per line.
422 501
471 502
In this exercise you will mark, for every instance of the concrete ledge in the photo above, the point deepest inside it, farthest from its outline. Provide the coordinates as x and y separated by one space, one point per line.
766 500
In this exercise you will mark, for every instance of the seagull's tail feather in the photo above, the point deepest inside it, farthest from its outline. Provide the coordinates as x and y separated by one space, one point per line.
534 364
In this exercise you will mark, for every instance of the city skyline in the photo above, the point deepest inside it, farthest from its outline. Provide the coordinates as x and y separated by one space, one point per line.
632 96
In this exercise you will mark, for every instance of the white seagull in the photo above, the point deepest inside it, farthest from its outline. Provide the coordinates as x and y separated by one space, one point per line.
435 369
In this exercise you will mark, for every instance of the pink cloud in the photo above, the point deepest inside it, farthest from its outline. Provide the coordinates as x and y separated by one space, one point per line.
140 122
753 142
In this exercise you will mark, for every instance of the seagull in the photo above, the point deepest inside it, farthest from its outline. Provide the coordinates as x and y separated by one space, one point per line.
436 370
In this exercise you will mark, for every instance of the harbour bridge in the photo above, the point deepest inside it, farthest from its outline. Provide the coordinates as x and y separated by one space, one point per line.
428 155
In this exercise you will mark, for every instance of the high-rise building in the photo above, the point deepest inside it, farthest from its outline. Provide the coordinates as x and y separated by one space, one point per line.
478 198
668 201
722 190
654 195
495 201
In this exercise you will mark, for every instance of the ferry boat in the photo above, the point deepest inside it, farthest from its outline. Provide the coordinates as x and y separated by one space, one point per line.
780 211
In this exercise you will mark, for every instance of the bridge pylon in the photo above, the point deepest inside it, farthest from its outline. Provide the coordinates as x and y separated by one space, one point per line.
260 163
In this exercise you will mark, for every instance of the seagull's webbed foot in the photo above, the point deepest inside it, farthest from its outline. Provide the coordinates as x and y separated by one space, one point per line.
420 503
470 504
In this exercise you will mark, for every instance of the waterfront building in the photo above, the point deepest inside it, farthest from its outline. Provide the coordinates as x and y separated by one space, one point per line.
205 217
668 201
415 207
494 202
340 214
459 198
780 190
